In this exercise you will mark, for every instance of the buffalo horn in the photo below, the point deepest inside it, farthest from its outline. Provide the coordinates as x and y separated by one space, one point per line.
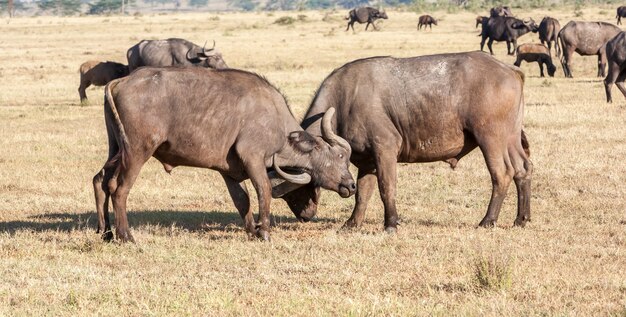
327 130
302 178
210 51
280 186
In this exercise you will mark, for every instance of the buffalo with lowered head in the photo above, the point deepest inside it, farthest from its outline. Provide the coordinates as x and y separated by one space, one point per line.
173 52
363 15
426 20
616 56
505 29
535 53
549 32
424 109
585 38
98 73
230 121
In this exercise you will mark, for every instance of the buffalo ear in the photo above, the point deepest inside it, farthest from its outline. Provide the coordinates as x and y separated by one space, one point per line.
302 141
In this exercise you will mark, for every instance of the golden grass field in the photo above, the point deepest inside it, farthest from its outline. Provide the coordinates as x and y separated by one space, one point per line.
192 256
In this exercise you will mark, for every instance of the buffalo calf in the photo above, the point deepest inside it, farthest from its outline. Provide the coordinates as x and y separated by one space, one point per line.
426 20
535 53
98 74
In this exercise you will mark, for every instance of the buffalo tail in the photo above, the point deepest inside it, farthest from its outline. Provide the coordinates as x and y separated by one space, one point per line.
120 136
525 144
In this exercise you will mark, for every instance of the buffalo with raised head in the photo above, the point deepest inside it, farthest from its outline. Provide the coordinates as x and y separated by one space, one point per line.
426 20
621 13
363 15
424 109
98 73
616 57
230 121
505 29
549 32
535 53
173 52
585 38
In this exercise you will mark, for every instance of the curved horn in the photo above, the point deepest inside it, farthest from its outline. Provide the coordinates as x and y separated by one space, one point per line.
187 55
302 178
327 130
205 52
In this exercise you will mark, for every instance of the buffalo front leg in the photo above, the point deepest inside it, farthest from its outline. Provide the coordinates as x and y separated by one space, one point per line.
566 62
489 45
601 64
386 165
366 180
610 79
258 176
620 82
120 188
482 42
541 69
239 193
81 91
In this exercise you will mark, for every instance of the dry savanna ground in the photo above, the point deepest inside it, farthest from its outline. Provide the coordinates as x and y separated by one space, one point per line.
192 256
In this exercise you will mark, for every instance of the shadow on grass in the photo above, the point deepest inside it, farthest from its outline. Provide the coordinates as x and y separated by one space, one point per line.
193 221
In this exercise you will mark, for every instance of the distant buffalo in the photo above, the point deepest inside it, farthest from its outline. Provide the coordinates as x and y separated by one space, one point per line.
616 56
535 53
621 13
480 19
585 38
505 29
549 32
363 15
173 52
500 11
98 74
426 20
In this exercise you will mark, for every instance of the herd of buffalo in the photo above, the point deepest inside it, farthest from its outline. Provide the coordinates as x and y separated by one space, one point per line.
373 113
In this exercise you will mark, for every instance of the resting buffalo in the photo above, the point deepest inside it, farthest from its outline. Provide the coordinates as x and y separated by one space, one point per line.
505 29
621 13
500 11
535 53
549 32
426 20
616 56
364 14
424 109
173 52
98 74
585 38
230 121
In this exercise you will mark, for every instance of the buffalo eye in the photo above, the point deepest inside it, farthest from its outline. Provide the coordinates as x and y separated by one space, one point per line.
340 155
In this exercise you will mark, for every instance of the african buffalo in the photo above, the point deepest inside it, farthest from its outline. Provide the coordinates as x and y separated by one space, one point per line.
173 52
505 29
616 56
585 38
230 121
364 14
500 11
426 20
548 32
424 109
621 13
535 53
480 19
98 74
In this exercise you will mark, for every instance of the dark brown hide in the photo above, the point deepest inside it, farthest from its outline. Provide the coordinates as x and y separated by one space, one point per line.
505 29
616 56
363 15
230 121
621 13
173 52
426 20
426 109
585 38
500 11
98 74
549 32
535 53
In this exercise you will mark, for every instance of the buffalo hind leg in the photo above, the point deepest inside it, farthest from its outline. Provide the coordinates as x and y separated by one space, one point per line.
239 193
502 172
120 188
610 79
489 45
620 82
102 195
523 168
541 68
81 91
601 64
566 62
366 180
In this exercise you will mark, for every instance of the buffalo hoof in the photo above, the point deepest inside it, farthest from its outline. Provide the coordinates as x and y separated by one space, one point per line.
263 235
349 225
125 236
521 222
107 236
487 223
391 230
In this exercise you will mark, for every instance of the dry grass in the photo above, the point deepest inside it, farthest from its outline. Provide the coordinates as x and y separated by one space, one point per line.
192 257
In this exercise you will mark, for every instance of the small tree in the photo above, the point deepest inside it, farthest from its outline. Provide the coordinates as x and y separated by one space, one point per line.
60 7
198 3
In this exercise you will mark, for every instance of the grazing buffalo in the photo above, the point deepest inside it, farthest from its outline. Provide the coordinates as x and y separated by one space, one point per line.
424 109
549 32
500 11
621 13
364 14
426 20
616 56
505 29
173 52
535 53
98 74
585 38
230 121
